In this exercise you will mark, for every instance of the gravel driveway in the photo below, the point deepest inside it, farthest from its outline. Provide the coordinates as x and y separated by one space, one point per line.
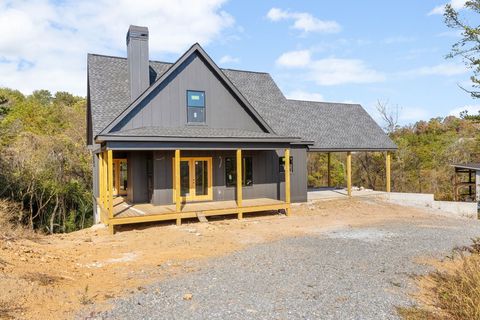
347 273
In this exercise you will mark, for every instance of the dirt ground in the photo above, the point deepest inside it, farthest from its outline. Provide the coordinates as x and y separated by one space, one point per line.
54 276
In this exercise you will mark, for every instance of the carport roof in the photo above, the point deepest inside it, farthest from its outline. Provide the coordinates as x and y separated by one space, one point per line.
468 166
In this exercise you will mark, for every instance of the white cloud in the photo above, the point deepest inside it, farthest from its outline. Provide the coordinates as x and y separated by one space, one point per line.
330 71
442 69
456 4
472 110
292 59
44 43
227 59
304 95
334 71
304 21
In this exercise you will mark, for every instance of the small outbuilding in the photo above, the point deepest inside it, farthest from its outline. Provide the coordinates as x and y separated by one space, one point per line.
467 182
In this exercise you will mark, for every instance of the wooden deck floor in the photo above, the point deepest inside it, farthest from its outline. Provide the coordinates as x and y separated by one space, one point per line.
126 213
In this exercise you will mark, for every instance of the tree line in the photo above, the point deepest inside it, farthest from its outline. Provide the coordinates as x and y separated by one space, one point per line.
45 167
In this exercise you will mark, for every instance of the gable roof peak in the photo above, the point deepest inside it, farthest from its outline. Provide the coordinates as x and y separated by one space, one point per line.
194 48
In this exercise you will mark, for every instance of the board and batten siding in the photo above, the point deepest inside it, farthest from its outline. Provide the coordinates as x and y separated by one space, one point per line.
166 106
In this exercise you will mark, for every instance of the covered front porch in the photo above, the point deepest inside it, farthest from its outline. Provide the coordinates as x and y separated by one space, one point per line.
116 209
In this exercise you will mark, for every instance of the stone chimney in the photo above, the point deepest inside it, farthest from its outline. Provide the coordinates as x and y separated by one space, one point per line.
137 57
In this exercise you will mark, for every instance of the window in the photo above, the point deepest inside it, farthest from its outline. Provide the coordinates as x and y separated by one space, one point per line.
231 171
282 164
195 106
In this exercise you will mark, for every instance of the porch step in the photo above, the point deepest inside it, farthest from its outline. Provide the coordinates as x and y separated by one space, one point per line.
201 217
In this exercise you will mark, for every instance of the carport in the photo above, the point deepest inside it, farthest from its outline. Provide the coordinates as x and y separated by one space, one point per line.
341 128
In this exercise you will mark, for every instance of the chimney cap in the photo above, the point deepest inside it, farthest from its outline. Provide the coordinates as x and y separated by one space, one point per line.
137 32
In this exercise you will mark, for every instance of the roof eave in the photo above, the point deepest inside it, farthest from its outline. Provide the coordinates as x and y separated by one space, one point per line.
105 138
352 149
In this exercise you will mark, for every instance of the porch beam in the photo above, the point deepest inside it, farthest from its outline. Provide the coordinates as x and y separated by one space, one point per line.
349 173
239 183
178 201
287 180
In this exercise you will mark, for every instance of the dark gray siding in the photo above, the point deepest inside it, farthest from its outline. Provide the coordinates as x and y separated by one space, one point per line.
166 105
137 187
298 179
267 181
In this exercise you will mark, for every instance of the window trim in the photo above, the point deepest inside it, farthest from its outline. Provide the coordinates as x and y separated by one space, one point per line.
243 180
204 122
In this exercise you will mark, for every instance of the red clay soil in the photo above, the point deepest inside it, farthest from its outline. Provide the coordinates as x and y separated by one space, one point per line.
55 276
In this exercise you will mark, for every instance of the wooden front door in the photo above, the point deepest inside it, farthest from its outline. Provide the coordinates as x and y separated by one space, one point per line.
195 179
119 177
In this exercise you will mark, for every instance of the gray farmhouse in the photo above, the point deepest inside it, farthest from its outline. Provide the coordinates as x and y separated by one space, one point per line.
189 139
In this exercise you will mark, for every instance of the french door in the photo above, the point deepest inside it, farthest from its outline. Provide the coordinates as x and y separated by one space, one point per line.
119 177
195 179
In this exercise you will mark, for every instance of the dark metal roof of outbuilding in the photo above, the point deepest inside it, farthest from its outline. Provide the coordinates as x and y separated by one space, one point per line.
469 166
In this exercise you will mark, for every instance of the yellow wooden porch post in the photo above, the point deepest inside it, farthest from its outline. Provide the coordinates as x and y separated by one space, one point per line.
110 189
349 174
110 183
100 177
178 200
105 179
101 191
287 180
387 171
239 183
329 160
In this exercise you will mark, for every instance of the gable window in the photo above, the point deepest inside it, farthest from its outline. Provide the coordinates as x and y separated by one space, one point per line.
231 171
282 164
195 106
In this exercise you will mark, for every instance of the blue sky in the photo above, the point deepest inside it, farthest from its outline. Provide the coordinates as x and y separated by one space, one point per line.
343 51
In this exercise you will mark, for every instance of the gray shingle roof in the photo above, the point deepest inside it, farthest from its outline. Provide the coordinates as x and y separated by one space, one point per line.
335 126
332 126
109 89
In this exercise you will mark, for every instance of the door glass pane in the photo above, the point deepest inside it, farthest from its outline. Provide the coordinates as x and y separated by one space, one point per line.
184 179
123 176
201 178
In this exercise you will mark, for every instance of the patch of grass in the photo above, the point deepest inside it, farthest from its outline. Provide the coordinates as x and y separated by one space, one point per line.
415 313
8 309
84 297
41 278
455 293
10 227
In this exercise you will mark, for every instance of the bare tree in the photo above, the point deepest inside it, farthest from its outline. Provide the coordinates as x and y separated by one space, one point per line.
389 115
